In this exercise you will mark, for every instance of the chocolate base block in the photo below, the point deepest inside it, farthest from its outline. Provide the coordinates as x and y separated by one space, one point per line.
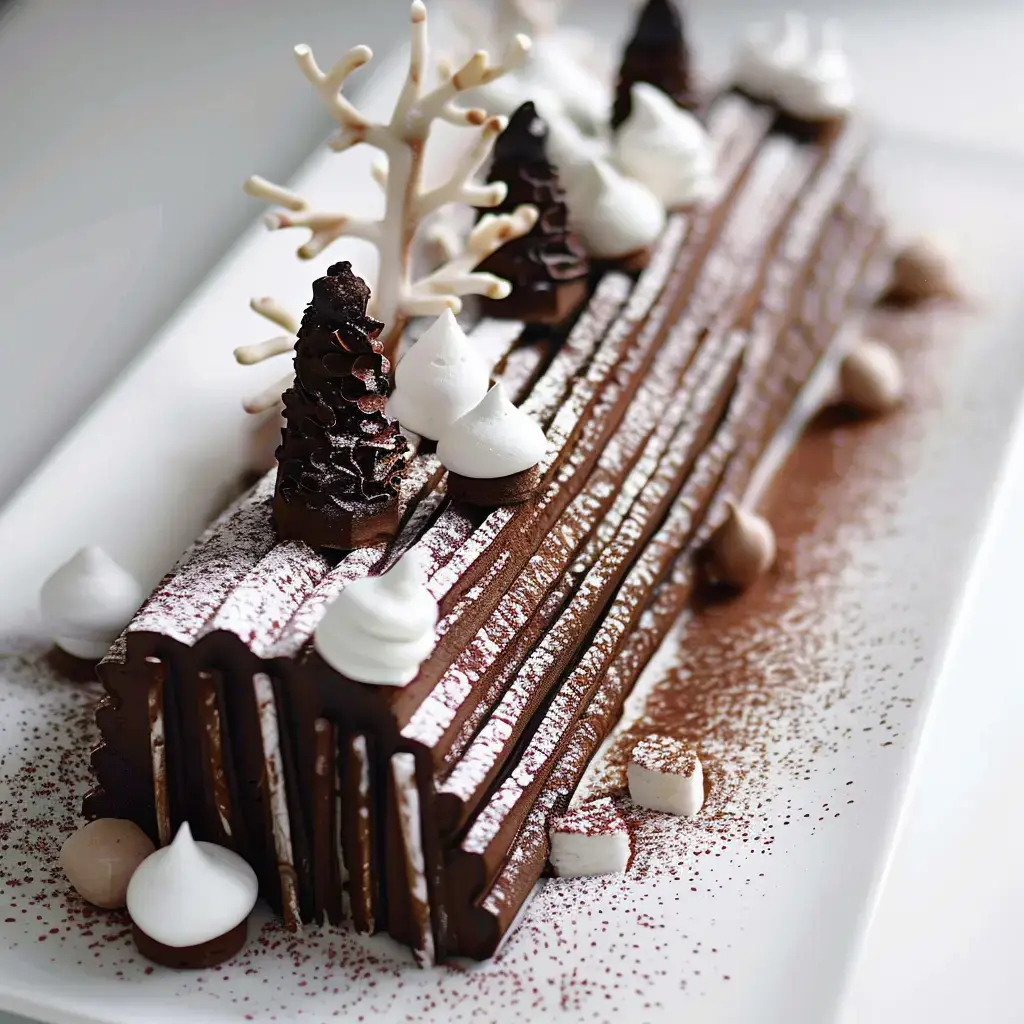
631 263
552 304
191 958
501 490
422 811
297 521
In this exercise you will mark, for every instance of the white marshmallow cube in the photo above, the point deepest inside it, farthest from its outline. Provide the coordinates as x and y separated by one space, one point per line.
590 840
666 775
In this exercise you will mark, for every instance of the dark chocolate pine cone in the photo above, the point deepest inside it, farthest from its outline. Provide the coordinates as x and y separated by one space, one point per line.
341 459
548 267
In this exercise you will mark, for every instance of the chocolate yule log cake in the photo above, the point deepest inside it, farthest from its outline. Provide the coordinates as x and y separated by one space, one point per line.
380 675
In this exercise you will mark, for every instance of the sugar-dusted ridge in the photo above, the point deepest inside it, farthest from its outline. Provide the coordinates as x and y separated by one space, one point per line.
586 422
779 171
522 864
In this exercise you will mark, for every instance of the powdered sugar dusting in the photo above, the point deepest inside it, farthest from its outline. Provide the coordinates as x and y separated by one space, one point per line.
190 595
833 647
596 818
665 755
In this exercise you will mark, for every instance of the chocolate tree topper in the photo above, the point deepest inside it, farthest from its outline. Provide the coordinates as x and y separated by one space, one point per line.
657 54
548 266
340 460
407 202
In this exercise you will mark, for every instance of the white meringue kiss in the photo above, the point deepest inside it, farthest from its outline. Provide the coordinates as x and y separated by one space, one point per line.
808 79
380 629
613 215
665 148
507 94
87 602
189 893
551 68
438 380
493 440
570 150
768 53
819 88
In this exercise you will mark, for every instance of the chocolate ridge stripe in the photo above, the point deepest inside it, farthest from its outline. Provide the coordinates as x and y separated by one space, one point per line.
777 191
484 838
638 345
525 861
461 572
484 756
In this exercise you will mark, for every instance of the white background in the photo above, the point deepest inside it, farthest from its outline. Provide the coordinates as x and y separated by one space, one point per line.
126 127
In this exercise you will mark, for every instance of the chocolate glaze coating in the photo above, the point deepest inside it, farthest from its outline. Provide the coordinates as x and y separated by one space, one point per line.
502 490
191 958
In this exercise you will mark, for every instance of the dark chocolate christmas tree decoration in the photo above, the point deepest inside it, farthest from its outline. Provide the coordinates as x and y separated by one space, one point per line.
547 267
657 54
340 459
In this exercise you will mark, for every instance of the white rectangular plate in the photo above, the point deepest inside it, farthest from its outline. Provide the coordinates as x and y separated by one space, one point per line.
731 934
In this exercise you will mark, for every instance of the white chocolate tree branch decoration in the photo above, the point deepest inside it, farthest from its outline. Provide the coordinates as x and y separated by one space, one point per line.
248 355
407 203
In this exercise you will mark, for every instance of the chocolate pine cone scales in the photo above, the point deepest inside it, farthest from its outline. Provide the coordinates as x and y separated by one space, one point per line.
547 267
657 54
423 810
340 457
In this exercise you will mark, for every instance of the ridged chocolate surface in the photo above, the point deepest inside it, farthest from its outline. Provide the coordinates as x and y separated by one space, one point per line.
423 810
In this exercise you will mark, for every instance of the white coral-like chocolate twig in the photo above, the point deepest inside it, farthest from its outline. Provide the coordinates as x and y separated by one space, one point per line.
270 309
407 203
432 295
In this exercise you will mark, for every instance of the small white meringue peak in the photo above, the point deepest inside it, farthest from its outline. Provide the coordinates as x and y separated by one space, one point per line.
665 148
87 602
189 893
613 215
507 94
438 379
570 150
552 68
768 53
495 439
819 88
380 629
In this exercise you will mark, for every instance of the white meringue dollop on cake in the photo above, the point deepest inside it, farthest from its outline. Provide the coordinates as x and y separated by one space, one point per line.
189 893
380 629
552 69
819 88
665 148
613 215
438 380
507 94
87 602
808 78
495 439
768 53
570 150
